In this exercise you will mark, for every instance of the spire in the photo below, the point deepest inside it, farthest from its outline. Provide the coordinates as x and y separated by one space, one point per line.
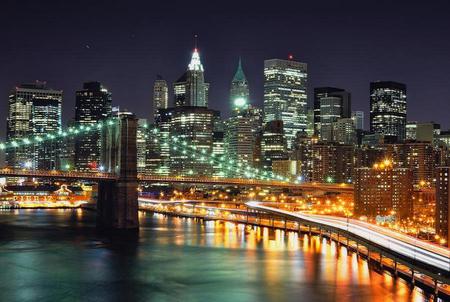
239 76
195 64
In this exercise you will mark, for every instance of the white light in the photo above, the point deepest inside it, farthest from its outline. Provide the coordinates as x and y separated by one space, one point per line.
240 102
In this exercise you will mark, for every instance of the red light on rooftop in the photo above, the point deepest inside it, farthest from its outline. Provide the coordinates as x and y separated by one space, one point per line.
290 57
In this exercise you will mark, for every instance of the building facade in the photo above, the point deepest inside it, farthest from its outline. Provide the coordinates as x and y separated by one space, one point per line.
160 96
273 144
190 89
330 104
285 95
27 116
383 190
442 219
388 109
239 89
93 105
195 126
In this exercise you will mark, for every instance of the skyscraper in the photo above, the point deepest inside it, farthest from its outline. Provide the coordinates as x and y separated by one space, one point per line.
285 95
273 144
388 109
239 90
190 89
24 120
195 126
244 123
141 145
93 104
46 118
344 131
160 95
330 104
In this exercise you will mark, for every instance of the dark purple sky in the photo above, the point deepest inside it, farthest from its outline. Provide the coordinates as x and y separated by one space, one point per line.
124 44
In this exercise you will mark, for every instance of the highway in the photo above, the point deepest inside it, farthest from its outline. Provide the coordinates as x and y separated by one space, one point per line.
408 246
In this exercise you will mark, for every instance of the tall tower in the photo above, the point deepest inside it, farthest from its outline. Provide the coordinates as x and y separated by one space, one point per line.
93 104
47 119
239 91
285 95
190 89
388 109
160 96
33 109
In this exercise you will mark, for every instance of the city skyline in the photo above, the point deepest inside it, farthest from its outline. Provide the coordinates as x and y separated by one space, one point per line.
102 58
202 151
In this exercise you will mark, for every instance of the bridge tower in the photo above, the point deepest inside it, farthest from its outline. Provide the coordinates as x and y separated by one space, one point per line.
117 204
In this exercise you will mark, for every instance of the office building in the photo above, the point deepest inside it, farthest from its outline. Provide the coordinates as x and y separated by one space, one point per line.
195 126
427 132
330 104
26 117
160 96
142 137
388 109
344 131
46 118
239 89
358 118
218 151
93 105
190 89
285 95
411 130
273 144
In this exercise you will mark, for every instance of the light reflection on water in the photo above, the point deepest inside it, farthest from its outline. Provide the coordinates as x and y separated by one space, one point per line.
59 255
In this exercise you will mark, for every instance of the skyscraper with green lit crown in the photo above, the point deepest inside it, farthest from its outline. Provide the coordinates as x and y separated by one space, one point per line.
239 91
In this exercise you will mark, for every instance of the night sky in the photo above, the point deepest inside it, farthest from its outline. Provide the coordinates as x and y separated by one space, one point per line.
125 44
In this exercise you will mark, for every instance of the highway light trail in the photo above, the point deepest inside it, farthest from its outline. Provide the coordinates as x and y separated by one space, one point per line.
398 243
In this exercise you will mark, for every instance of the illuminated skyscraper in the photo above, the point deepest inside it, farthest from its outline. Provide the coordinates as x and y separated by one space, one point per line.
195 126
142 137
273 144
239 90
160 96
27 115
190 89
388 109
285 95
46 118
245 121
93 104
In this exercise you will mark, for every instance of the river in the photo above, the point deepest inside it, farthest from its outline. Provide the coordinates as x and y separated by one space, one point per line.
59 255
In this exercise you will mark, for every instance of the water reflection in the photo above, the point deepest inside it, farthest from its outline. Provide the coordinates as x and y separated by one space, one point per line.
59 255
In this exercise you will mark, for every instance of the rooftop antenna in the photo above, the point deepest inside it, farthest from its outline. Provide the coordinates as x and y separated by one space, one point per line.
195 41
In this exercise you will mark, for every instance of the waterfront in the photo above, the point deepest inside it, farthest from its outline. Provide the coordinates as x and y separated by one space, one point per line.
59 255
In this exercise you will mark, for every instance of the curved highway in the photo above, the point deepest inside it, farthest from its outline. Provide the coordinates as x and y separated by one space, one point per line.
408 246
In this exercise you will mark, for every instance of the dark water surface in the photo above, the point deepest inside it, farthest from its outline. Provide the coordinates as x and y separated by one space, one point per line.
58 255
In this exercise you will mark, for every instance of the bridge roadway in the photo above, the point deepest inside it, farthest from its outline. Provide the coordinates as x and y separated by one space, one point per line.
408 247
344 188
8 172
101 176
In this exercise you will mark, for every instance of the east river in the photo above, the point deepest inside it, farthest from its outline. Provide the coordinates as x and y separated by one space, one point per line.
59 255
